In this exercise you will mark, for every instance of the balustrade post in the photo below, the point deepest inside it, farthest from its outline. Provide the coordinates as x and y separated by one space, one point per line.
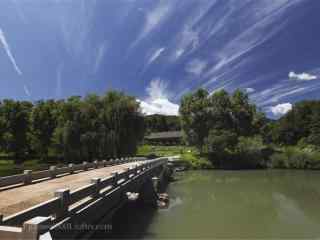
64 196
33 228
115 176
71 170
104 163
97 184
85 166
127 171
96 164
136 169
52 171
27 176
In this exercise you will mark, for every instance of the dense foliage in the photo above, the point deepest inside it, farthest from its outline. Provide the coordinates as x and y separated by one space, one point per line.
301 124
233 133
162 123
75 129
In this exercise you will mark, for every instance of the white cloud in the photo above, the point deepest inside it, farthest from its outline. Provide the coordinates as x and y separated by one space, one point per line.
281 109
8 51
159 106
155 55
250 90
157 89
302 76
157 101
196 67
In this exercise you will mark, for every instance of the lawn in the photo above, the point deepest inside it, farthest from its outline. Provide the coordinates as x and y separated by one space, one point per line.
189 154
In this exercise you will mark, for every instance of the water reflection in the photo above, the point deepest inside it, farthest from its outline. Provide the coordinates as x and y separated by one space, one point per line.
235 204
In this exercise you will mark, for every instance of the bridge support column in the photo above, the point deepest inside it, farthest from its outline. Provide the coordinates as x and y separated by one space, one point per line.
33 228
64 195
27 176
148 195
96 182
155 181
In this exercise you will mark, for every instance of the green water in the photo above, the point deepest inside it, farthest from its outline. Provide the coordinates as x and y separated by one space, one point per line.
234 204
241 204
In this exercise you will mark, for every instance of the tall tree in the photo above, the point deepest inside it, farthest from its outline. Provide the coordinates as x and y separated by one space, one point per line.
16 116
44 118
194 117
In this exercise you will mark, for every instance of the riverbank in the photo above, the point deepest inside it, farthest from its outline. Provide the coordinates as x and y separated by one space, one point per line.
248 155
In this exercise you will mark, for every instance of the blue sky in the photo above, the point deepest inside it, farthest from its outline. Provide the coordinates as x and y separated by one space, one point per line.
158 50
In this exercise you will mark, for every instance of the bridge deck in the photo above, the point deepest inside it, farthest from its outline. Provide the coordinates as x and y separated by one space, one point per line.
20 198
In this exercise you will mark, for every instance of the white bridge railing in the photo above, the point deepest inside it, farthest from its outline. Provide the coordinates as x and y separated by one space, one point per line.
37 220
28 176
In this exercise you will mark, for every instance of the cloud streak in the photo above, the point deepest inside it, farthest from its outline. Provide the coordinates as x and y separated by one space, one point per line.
6 47
196 67
26 91
156 55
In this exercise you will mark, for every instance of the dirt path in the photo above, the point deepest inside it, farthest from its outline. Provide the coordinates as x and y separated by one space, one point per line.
20 198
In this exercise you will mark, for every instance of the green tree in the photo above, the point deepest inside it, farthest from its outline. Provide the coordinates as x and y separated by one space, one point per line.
195 117
243 113
44 118
16 117
220 143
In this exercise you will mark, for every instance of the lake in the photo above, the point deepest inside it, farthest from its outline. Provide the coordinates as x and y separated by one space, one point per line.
231 204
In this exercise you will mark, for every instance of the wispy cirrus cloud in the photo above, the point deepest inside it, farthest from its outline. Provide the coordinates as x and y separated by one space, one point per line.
59 80
26 90
101 50
256 17
153 19
196 66
6 47
302 76
156 55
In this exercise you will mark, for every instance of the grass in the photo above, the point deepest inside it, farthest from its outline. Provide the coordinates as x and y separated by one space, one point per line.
188 154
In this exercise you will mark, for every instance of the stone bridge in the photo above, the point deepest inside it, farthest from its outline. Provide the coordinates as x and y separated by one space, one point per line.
55 203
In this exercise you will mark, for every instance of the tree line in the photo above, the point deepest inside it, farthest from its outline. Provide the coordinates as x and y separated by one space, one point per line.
162 123
75 129
232 132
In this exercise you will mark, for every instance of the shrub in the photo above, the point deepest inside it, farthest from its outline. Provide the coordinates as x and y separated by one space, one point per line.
307 157
251 152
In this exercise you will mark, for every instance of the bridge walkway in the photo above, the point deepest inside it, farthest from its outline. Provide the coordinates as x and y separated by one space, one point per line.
17 199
